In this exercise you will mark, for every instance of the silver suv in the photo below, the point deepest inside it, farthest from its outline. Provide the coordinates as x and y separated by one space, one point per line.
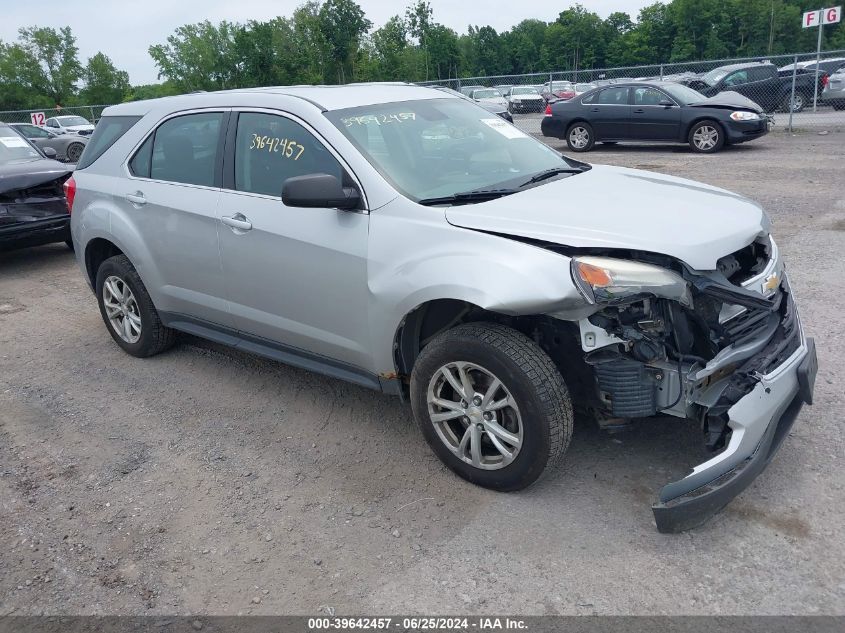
406 240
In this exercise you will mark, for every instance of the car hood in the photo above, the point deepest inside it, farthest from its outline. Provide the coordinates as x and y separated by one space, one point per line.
494 100
619 208
729 99
79 128
26 174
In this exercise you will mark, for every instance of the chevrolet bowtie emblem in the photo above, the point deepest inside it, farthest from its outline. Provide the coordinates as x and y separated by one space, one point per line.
771 282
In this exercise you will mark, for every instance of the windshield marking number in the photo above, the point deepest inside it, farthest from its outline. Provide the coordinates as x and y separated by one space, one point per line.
381 119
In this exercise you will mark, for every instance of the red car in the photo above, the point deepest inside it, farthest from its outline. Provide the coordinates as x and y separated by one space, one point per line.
558 91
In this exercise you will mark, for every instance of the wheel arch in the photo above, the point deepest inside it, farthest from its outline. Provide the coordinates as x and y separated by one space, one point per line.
428 319
97 251
698 119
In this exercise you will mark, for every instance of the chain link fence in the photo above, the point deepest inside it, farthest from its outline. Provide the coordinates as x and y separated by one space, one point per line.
801 94
91 113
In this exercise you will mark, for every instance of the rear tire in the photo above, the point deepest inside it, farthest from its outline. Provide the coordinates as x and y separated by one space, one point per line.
128 311
531 419
706 137
580 137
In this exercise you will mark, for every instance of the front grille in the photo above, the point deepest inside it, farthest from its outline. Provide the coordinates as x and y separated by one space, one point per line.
746 262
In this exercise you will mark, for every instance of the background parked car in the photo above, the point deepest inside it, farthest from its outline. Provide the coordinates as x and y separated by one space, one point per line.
33 209
489 95
524 99
70 124
828 66
655 111
68 147
583 88
493 108
760 82
467 90
555 90
834 91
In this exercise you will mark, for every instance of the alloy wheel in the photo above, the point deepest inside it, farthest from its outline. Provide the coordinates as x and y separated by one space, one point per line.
706 137
122 309
475 415
579 137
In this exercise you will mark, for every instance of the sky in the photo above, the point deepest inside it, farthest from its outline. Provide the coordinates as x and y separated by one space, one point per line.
124 30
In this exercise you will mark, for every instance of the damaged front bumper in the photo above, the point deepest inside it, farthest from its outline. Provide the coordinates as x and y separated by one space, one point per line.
758 422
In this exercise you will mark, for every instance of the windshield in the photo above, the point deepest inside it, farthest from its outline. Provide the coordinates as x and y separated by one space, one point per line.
714 76
524 91
486 94
683 94
441 147
72 120
14 148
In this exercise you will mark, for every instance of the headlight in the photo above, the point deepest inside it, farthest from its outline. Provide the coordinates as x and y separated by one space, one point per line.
745 116
606 280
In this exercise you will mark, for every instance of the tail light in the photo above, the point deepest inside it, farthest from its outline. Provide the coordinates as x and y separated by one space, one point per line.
70 193
548 111
825 79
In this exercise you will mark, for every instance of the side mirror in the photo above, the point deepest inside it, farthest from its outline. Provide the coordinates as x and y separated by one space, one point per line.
49 152
319 191
666 103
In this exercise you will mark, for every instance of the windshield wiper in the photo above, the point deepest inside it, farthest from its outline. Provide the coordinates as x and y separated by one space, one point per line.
554 171
468 197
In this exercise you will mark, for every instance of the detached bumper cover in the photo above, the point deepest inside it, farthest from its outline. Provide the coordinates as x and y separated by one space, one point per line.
759 422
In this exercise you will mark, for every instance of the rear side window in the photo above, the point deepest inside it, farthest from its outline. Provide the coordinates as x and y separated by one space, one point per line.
183 149
108 130
613 96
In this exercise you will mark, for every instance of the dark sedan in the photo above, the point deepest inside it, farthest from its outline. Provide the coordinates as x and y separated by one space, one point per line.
33 208
655 112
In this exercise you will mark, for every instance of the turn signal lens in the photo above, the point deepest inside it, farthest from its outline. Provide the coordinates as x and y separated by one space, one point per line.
70 193
548 111
593 275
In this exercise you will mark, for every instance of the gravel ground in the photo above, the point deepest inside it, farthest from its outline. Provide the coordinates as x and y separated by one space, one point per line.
208 481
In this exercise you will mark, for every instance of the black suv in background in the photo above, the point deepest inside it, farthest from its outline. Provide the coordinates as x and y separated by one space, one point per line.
761 82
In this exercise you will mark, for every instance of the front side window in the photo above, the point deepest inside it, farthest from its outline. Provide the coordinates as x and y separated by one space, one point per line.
737 79
269 149
648 96
184 149
613 96
33 131
434 148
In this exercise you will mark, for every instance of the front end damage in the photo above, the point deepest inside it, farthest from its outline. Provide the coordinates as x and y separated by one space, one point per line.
723 348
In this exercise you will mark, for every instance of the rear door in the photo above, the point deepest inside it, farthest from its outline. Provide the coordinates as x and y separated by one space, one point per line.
172 196
610 113
651 118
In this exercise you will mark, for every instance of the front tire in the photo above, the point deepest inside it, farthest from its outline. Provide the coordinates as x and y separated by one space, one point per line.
798 103
706 137
580 137
491 405
128 311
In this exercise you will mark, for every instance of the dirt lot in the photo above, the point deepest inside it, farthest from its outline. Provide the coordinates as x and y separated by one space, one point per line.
207 481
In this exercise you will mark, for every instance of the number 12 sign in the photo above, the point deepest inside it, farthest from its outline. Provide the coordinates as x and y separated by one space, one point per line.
831 15
37 118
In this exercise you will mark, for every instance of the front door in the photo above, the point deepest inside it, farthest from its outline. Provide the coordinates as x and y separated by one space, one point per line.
294 277
651 118
609 114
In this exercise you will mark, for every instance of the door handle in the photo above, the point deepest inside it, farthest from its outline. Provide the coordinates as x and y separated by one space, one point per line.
594 110
136 198
639 111
238 221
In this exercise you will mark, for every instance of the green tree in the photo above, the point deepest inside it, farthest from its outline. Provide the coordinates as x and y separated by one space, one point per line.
199 56
55 64
343 23
103 82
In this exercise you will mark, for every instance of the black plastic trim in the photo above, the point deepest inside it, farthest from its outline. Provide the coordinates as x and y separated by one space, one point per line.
271 349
